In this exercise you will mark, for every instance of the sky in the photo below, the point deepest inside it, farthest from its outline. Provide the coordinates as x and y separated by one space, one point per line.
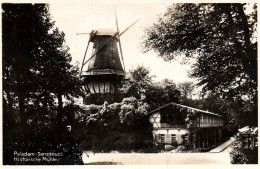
83 17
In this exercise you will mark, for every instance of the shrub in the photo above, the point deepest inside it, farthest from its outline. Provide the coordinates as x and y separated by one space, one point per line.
180 149
244 151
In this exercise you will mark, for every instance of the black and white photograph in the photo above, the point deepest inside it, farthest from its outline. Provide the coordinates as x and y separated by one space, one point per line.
123 82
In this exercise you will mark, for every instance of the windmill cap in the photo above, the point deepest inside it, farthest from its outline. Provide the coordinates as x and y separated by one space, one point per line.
102 32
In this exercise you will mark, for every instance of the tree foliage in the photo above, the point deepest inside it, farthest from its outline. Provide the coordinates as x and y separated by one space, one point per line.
132 110
36 73
36 61
186 89
222 38
119 126
140 84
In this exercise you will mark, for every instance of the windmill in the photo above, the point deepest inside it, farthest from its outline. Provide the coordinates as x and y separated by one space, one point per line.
105 71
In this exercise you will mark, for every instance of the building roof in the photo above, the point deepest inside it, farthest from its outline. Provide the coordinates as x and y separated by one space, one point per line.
102 32
183 106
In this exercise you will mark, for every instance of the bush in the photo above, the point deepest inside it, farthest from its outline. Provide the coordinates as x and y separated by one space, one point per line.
181 149
168 147
244 152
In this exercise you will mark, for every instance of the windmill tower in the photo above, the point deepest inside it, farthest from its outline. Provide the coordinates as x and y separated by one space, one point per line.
105 71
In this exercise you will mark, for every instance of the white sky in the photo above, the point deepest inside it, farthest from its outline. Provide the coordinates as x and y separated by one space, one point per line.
82 17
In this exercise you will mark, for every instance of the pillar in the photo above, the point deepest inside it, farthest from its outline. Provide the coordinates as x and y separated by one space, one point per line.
215 137
199 138
207 138
220 134
203 138
194 139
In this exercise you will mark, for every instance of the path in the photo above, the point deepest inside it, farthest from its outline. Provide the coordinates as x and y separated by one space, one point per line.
158 158
223 146
222 157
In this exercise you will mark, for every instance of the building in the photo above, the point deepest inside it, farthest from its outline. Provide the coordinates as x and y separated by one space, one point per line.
177 124
105 72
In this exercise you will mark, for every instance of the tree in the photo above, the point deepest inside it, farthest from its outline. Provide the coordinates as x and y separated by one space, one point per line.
222 38
139 84
36 61
162 93
36 72
16 54
186 89
132 110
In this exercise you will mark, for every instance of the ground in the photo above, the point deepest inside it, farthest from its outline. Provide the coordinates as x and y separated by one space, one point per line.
221 157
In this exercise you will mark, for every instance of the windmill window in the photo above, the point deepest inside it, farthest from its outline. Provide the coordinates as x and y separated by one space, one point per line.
162 138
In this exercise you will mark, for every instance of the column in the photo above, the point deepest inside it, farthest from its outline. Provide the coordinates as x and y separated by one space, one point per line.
194 139
220 134
199 138
214 137
207 138
203 138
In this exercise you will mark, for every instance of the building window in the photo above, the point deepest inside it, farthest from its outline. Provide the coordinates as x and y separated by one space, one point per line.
173 137
162 138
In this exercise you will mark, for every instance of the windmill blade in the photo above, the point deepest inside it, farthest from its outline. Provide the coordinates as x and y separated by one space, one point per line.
128 27
120 46
121 53
84 58
116 20
116 34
